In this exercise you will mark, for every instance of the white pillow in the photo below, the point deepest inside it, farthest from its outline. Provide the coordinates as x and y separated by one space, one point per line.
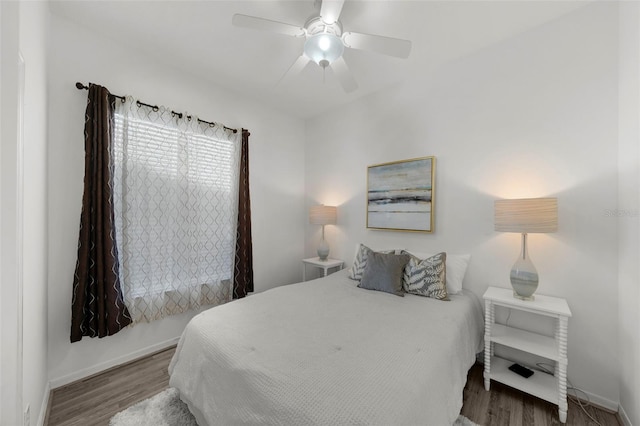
456 265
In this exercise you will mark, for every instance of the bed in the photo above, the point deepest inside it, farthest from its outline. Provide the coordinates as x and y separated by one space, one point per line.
326 352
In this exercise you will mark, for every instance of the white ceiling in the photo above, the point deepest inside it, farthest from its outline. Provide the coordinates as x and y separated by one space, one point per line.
197 36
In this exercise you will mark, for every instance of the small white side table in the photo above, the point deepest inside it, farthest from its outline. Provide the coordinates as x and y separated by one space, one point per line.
325 265
544 386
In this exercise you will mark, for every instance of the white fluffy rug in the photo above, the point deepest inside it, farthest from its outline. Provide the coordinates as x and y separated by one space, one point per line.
163 409
166 409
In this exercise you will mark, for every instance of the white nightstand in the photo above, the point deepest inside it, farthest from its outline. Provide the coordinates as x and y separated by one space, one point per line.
325 265
544 386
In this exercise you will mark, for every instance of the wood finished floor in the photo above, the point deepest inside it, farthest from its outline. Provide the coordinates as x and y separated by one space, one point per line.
92 401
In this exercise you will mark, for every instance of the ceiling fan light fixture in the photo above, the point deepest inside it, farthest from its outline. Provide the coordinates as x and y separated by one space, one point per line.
325 41
323 48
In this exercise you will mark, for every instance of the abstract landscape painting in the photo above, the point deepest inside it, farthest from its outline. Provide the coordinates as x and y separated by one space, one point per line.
400 195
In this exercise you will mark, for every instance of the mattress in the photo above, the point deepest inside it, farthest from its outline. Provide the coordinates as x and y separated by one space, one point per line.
325 352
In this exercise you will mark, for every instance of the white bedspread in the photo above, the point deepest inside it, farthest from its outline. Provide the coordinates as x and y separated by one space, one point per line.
325 352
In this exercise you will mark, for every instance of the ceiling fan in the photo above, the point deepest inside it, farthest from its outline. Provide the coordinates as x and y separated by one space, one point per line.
325 40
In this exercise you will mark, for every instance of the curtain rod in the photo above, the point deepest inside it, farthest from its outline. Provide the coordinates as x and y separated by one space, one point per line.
81 86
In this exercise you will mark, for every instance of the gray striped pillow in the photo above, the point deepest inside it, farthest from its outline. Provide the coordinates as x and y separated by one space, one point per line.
426 277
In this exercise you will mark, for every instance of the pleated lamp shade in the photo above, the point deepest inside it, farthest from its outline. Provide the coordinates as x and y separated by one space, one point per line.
526 215
323 215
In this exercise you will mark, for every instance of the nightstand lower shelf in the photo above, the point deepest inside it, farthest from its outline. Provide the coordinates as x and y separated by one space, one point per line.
541 385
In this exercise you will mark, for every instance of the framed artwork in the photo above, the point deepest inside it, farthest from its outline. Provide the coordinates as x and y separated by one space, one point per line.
400 195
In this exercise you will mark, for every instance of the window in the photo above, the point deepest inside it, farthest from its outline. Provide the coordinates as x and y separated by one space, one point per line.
175 205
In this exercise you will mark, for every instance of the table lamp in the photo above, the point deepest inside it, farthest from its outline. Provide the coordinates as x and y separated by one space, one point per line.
527 215
323 215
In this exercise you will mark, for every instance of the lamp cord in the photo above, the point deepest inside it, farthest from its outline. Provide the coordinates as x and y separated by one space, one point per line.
572 398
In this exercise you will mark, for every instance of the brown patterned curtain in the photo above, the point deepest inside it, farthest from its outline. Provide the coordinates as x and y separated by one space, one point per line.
98 307
243 277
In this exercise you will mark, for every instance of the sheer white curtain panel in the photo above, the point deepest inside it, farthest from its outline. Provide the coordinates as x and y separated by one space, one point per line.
175 205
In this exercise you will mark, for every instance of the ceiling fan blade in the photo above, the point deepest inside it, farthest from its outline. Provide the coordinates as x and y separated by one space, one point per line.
294 69
330 10
386 45
341 69
267 25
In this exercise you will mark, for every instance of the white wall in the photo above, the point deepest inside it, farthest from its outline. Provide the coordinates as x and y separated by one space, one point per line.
24 211
535 115
34 18
11 242
276 169
629 211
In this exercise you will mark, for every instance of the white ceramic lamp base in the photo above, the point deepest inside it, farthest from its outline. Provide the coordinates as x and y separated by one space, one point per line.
323 248
524 277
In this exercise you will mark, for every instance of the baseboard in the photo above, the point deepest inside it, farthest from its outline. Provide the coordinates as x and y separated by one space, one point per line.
87 372
596 400
622 415
45 405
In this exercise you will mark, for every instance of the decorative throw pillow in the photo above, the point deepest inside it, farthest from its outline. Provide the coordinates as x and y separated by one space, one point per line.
383 272
456 266
360 261
426 277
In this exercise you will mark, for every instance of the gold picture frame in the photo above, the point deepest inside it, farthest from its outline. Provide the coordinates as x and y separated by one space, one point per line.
400 195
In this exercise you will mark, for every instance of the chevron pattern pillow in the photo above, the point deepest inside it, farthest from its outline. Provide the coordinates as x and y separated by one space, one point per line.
360 262
426 277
